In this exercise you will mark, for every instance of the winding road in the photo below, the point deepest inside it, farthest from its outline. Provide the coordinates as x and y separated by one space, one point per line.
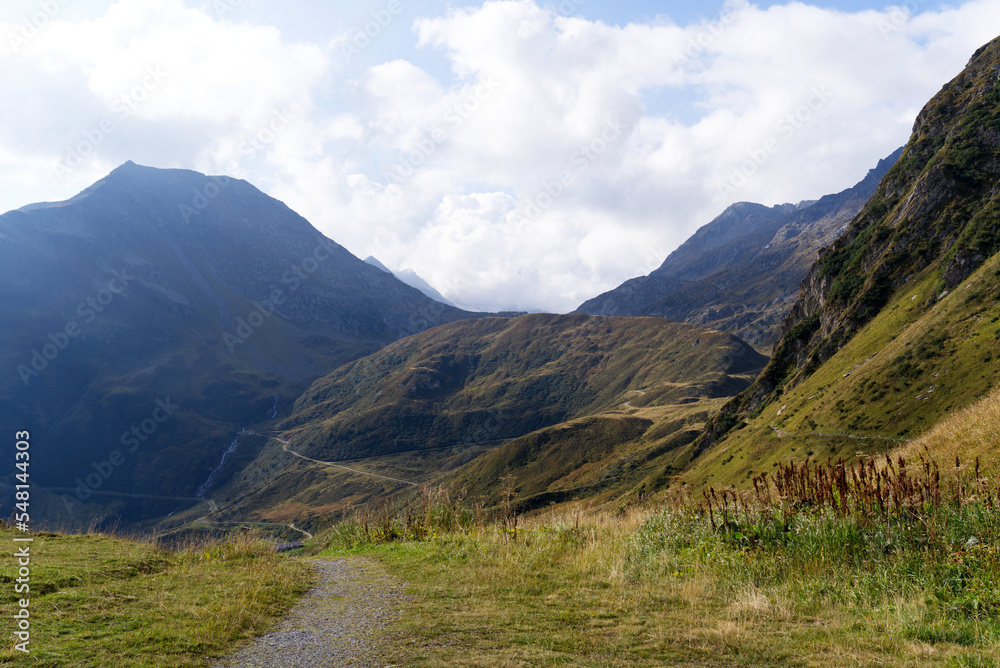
286 446
639 392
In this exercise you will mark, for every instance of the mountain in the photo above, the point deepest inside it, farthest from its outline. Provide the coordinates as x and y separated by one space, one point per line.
740 273
493 379
562 403
153 315
412 279
896 326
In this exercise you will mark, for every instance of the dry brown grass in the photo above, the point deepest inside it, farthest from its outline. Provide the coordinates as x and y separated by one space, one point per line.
967 434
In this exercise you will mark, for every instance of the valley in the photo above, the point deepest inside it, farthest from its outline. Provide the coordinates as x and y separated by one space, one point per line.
778 448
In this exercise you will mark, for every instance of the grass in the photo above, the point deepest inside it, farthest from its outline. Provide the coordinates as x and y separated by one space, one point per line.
489 380
903 373
103 601
820 565
968 434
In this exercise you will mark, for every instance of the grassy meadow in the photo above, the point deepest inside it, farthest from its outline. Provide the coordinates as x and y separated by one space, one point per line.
888 563
102 601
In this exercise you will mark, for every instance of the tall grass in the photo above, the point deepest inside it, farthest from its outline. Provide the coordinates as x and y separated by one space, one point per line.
435 512
889 562
891 535
969 433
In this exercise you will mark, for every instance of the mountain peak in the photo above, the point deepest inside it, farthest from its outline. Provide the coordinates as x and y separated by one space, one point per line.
932 219
373 261
412 279
741 272
169 285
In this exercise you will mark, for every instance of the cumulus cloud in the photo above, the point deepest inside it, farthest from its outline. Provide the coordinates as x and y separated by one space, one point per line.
151 80
557 156
603 147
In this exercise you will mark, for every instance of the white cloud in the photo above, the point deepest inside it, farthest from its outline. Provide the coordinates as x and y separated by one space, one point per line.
562 157
150 80
816 96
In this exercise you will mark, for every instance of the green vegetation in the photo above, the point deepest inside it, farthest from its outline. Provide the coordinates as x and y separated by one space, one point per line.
968 435
103 601
838 565
490 380
932 222
899 376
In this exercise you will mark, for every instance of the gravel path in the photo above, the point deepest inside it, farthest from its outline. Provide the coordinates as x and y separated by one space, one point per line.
341 622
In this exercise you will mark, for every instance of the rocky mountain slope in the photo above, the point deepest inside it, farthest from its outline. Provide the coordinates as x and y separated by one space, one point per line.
741 272
151 316
896 326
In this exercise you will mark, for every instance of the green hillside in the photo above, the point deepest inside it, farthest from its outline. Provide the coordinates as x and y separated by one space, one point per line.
563 405
897 324
486 381
602 458
897 378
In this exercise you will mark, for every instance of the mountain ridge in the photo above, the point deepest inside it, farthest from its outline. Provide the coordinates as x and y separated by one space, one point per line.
412 279
881 310
536 370
741 272
171 286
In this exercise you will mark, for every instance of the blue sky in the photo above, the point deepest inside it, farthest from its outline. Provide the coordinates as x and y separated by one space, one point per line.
517 154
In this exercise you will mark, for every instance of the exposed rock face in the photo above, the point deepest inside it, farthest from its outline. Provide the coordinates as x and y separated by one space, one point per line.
935 211
741 272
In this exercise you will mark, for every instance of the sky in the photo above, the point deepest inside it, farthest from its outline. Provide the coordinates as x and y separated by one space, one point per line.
516 154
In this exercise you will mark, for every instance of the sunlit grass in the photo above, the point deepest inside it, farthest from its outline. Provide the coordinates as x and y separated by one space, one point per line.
969 433
819 579
103 601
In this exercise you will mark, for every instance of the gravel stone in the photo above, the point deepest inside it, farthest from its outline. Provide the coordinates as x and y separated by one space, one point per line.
343 621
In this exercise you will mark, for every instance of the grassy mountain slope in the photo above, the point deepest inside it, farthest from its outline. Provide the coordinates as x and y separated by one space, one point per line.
897 323
965 436
567 405
741 272
494 379
897 378
608 457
